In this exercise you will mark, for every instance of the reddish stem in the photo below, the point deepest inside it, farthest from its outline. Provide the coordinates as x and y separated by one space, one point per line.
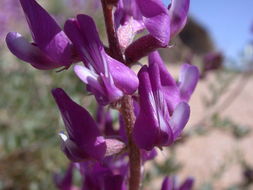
127 109
114 47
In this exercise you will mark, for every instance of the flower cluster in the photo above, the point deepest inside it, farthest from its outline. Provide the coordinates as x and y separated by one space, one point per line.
153 106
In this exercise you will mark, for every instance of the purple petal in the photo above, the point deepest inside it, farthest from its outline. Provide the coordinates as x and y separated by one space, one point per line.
114 182
28 52
154 76
105 121
119 14
127 82
89 77
151 127
148 155
178 10
187 185
112 92
72 150
46 33
93 173
159 104
172 97
168 183
83 33
166 78
65 182
103 88
157 20
145 132
131 8
179 118
188 78
93 44
80 126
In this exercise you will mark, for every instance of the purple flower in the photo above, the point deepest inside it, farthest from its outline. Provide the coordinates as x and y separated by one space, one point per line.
136 15
133 16
105 121
108 175
163 108
102 74
169 183
148 155
211 61
84 140
51 48
65 182
178 10
128 21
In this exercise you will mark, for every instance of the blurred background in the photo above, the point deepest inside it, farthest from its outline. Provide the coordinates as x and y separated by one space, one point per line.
216 148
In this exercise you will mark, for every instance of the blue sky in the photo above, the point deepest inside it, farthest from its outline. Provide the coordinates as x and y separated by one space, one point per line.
228 21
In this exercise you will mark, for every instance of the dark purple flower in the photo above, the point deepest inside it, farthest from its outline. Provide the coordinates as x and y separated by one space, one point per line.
164 111
108 175
84 140
115 182
178 11
102 74
51 48
105 121
65 182
211 61
169 183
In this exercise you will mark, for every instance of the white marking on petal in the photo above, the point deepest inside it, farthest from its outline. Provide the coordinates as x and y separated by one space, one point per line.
99 140
63 136
159 109
83 73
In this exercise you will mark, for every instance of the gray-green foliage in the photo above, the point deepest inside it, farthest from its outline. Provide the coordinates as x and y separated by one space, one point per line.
29 123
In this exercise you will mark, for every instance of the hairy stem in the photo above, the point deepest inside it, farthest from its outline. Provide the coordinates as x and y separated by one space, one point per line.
114 47
127 112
